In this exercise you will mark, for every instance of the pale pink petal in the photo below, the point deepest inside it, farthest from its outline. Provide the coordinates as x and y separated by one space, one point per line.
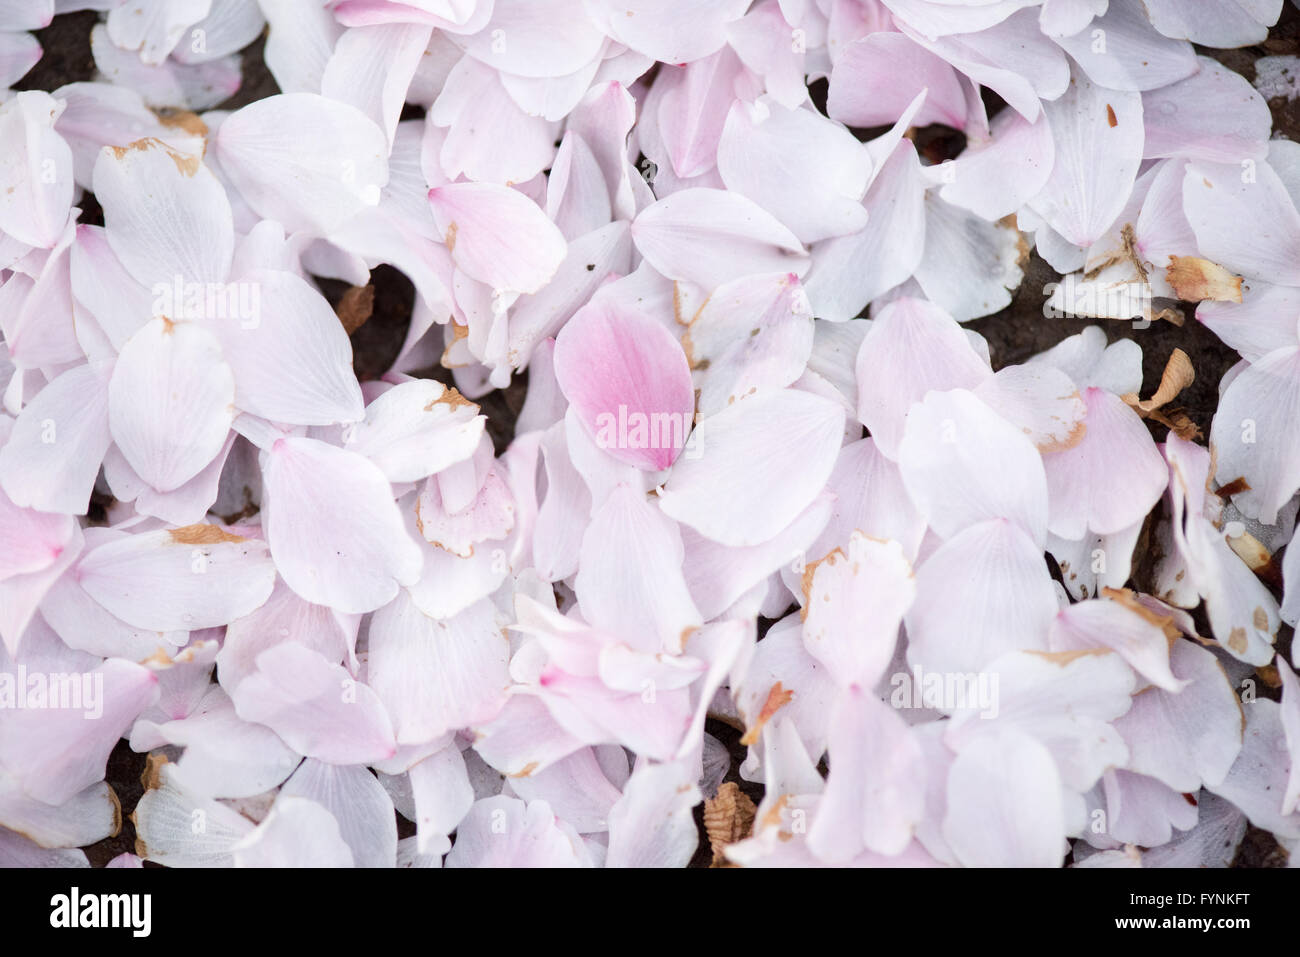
876 77
817 190
165 829
305 161
1110 479
875 792
692 108
1122 628
913 347
1132 55
997 176
442 794
505 832
296 833
184 579
1216 23
86 818
1005 803
479 115
497 235
1096 162
577 788
316 707
1214 115
53 454
357 801
651 824
849 271
371 68
36 173
58 752
356 560
224 757
170 401
1189 738
1040 400
436 676
290 355
982 593
1246 224
710 236
674 31
19 52
1258 780
962 463
1253 433
630 579
761 462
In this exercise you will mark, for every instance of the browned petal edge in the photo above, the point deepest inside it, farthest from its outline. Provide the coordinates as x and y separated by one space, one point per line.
151 776
1197 280
777 698
187 164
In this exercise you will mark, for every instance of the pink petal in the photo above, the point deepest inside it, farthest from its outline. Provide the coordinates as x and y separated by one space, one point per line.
622 371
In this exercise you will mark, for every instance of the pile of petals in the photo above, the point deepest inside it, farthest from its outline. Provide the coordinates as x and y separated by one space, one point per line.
763 478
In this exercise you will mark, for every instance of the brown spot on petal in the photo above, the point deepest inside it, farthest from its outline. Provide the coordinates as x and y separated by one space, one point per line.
202 534
1237 640
452 228
777 698
728 818
1073 438
1236 486
1197 280
355 307
1110 116
1260 619
528 769
451 397
1064 658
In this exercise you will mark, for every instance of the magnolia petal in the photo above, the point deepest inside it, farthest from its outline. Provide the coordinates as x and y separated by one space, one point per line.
316 707
1189 738
651 824
762 462
170 401
296 833
710 236
437 676
913 347
1005 805
626 369
1111 479
166 216
200 576
962 463
373 554
983 592
356 799
308 162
